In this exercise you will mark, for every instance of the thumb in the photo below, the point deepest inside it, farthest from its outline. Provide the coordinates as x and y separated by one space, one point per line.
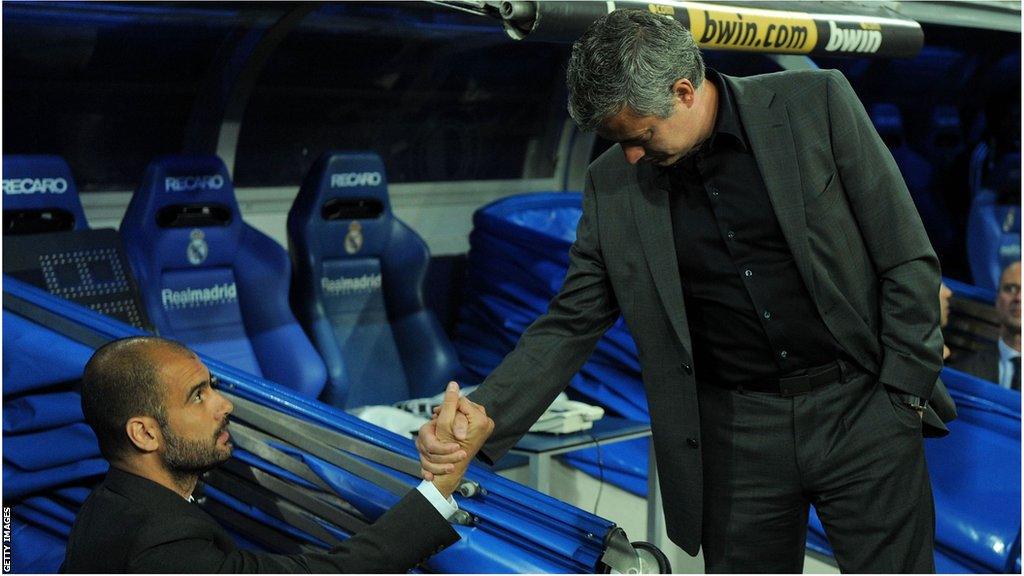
449 405
460 428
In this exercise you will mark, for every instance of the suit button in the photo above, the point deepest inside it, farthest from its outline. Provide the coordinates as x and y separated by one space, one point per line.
687 368
692 442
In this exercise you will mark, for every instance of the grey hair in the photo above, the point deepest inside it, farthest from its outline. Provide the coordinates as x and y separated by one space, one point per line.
630 58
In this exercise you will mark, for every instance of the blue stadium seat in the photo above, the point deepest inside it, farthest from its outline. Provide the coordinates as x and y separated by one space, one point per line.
40 196
48 242
211 280
919 174
993 223
358 287
888 122
944 139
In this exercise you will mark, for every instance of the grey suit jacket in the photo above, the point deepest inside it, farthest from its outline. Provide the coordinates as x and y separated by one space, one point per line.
856 238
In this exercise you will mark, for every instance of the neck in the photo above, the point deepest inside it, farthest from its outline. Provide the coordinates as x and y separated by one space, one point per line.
184 484
1011 336
710 105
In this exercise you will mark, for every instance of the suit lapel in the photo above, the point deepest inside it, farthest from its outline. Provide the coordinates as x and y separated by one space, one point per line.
654 221
766 121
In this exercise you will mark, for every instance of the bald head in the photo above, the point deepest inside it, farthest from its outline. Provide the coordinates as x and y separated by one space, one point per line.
122 381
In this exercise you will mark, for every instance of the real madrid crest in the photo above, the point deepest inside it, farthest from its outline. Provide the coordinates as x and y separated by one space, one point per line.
354 238
197 248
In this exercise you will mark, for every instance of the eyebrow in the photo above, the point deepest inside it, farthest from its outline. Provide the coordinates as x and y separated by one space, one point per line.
636 139
197 387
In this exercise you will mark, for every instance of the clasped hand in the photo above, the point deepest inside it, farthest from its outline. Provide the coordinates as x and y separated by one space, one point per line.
448 443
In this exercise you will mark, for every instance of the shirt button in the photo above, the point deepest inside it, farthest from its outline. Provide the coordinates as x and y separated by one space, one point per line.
687 368
767 315
783 354
748 273
731 234
714 192
692 442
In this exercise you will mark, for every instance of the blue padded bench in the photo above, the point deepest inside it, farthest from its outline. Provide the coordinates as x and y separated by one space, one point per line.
211 280
358 287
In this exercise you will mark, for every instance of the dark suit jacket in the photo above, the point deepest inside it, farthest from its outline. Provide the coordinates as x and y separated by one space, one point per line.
131 524
856 238
982 363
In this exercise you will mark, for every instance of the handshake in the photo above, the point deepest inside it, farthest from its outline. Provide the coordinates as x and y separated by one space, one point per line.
448 443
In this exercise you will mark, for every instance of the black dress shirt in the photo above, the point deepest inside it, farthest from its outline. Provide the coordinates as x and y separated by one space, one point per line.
751 318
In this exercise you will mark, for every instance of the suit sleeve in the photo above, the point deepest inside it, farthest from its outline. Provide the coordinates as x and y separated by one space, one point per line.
556 345
406 535
905 264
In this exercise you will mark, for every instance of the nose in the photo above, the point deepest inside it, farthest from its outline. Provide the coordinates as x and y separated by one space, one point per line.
633 153
227 407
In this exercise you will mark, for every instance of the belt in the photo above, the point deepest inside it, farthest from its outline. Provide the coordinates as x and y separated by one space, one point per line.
798 384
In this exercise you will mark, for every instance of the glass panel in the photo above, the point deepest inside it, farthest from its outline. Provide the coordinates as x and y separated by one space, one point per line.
106 86
439 94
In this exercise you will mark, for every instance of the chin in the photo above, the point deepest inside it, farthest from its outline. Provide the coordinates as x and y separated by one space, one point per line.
225 452
670 160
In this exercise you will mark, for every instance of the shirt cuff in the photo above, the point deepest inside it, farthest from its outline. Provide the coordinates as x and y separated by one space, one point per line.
446 508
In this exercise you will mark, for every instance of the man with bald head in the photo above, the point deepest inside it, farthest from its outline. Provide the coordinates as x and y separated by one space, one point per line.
161 423
1001 363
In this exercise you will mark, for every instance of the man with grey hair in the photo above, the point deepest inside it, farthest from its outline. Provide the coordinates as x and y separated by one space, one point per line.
765 253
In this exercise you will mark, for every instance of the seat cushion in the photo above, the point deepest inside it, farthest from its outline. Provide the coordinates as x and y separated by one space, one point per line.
353 300
202 309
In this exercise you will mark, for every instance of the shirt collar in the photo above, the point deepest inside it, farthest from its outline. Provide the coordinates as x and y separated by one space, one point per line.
1005 352
727 121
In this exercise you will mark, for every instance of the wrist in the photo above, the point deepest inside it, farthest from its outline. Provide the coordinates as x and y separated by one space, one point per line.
448 483
444 486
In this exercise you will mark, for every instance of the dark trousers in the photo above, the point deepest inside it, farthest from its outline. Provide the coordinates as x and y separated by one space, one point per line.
848 448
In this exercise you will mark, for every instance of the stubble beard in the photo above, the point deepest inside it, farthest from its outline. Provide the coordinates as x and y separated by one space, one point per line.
187 459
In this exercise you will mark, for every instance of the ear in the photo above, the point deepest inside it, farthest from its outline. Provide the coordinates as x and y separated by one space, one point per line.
144 433
684 91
